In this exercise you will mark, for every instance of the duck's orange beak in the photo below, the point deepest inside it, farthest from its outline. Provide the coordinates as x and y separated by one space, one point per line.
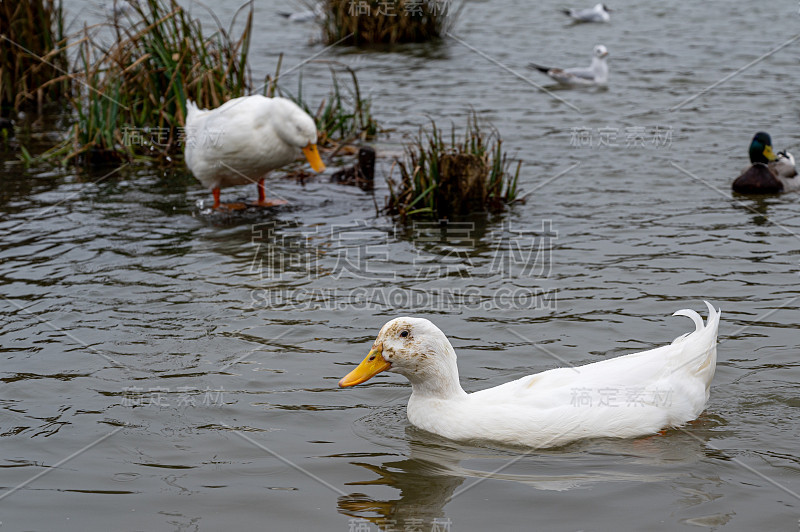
313 157
369 367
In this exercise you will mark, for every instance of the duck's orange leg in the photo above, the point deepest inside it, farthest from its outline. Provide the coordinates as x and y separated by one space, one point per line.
216 197
262 197
229 206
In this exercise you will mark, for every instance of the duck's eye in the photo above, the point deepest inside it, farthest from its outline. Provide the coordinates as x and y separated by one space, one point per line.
403 334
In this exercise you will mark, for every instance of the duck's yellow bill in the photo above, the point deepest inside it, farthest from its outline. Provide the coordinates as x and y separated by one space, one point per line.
313 157
369 367
769 154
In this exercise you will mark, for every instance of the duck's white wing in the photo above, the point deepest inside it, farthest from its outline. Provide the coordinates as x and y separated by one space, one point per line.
623 396
232 144
232 115
237 127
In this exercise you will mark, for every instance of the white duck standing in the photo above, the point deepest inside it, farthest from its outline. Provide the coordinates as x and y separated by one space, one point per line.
663 387
243 139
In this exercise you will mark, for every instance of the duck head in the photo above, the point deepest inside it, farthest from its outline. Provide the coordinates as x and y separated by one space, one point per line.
761 148
414 348
295 127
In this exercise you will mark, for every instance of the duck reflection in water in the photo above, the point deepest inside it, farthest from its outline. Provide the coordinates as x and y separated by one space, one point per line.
436 470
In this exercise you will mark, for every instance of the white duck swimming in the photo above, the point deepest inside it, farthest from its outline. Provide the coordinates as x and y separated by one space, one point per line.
243 139
627 396
595 74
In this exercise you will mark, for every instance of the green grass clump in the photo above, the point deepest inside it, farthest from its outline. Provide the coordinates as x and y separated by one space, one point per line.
130 99
33 59
360 22
441 179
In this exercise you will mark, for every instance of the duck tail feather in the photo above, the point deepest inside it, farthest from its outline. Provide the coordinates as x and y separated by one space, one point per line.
701 345
711 323
708 366
694 316
713 318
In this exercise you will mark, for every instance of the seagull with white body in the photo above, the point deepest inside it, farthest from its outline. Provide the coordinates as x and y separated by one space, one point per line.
598 13
317 14
595 74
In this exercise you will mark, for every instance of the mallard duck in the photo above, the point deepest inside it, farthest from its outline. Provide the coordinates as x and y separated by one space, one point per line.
623 397
769 173
244 138
598 13
595 74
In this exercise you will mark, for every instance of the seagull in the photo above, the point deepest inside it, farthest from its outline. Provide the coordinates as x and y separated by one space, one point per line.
596 74
598 13
308 15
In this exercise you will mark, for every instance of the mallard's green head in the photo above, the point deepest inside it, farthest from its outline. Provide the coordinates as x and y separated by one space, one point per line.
761 148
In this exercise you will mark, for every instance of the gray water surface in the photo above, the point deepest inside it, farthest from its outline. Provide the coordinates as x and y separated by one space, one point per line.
168 369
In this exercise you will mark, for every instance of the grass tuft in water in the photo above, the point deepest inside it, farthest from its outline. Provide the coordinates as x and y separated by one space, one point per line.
33 59
364 22
441 179
130 97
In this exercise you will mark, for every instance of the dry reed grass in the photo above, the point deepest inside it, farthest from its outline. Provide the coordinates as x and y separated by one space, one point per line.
441 179
364 22
32 54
